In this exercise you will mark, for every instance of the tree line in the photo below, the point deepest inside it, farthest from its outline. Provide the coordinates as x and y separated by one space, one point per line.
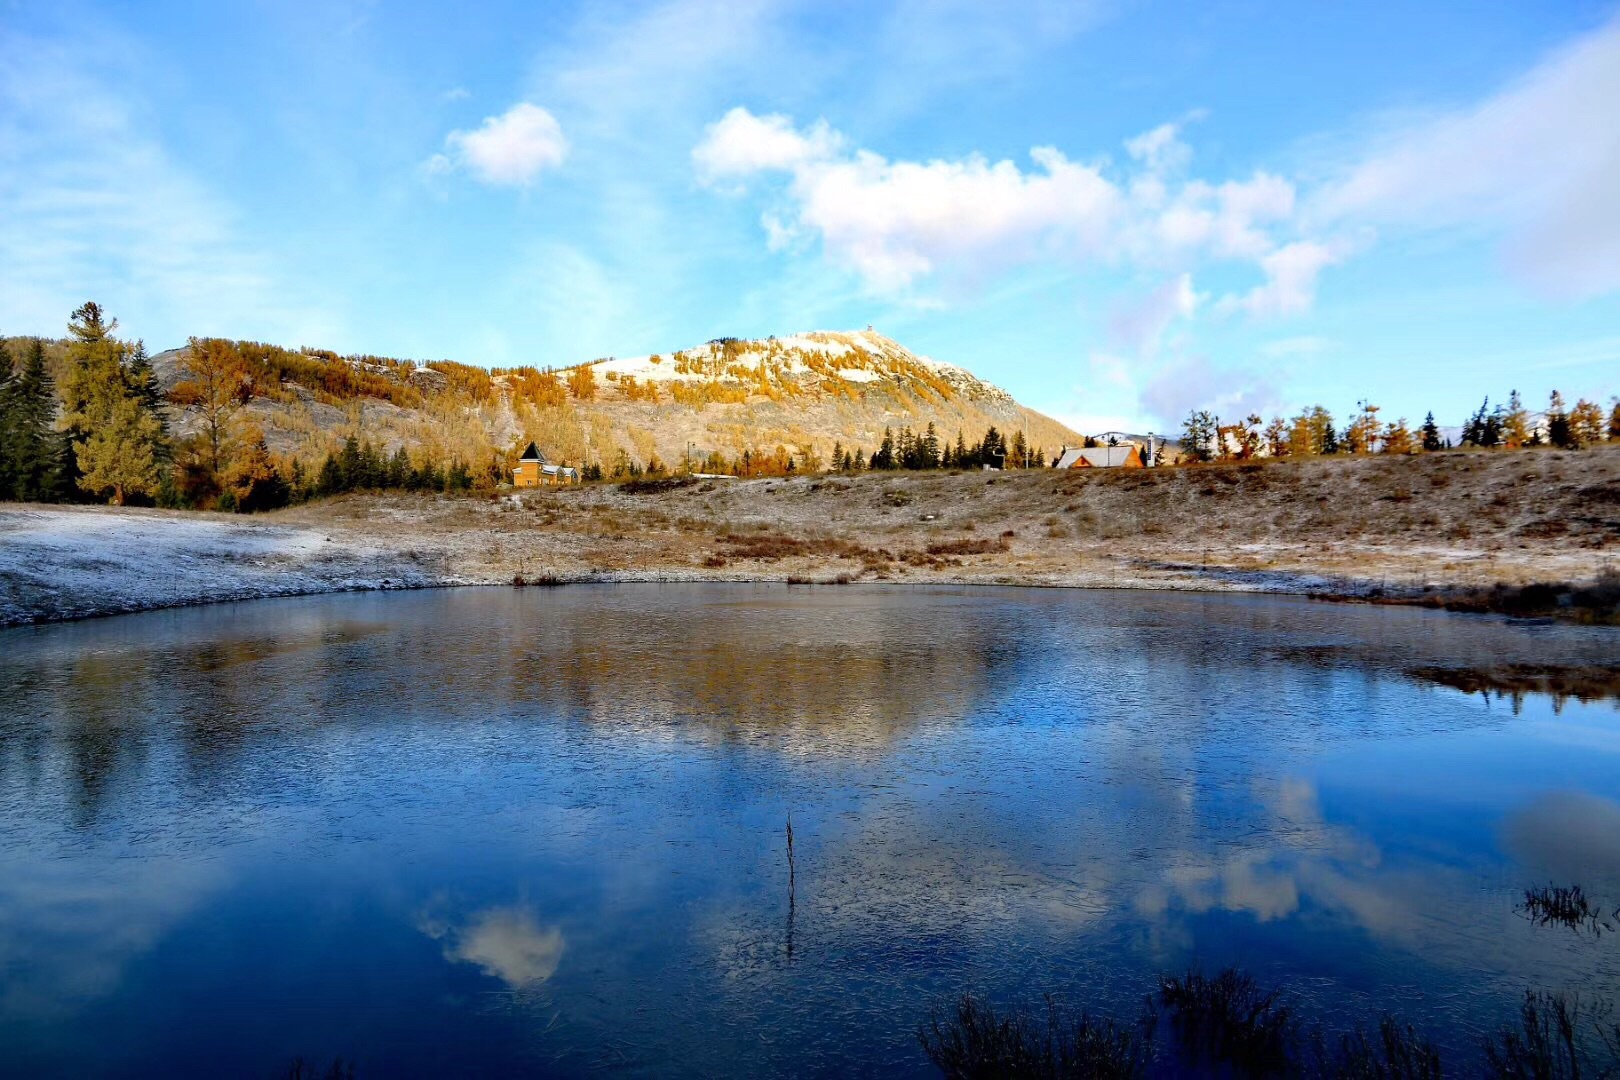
111 439
1313 432
906 450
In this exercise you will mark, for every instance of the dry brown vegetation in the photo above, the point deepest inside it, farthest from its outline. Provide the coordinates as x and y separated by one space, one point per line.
1446 527
1541 526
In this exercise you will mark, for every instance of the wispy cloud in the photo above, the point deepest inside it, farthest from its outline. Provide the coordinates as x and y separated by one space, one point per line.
93 205
1537 162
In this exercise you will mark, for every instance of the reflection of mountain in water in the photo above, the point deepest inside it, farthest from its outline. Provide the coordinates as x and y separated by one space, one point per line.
1029 788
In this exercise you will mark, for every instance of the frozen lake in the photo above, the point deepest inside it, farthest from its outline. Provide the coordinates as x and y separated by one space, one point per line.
468 832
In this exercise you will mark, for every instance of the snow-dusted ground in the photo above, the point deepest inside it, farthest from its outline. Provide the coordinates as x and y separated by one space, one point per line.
71 563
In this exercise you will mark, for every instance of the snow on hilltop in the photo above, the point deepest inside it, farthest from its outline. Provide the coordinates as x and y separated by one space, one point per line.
805 393
827 357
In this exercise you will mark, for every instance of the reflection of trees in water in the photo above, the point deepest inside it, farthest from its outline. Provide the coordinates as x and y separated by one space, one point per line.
845 679
1560 682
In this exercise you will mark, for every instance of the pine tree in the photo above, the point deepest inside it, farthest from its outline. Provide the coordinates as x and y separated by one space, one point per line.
883 458
1557 421
42 456
399 469
1484 428
9 443
930 448
1198 433
1431 434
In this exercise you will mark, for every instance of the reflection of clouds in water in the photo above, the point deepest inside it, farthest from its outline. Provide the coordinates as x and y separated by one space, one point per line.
1298 858
67 933
1567 834
506 942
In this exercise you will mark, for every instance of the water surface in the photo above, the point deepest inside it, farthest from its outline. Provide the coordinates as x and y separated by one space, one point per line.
467 832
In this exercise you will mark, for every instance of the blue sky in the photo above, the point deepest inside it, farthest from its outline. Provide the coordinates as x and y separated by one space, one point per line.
1117 210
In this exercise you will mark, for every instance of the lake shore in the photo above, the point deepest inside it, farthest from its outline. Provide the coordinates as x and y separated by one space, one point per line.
1442 528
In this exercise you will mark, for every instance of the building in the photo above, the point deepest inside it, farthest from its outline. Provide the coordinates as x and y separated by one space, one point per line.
1123 456
534 470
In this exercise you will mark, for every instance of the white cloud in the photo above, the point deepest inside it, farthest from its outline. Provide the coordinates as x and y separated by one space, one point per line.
897 223
740 144
509 150
1538 162
506 942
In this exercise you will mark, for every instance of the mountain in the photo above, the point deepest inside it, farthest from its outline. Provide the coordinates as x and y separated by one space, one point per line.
803 393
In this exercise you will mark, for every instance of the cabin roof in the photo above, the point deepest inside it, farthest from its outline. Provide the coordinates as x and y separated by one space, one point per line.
1096 456
532 453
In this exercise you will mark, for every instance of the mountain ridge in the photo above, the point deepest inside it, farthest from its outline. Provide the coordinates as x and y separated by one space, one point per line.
800 394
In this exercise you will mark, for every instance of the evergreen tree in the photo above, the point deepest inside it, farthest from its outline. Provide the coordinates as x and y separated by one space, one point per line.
860 464
1558 432
1484 428
961 455
1431 434
9 443
930 448
883 458
993 450
399 469
330 479
1198 436
351 465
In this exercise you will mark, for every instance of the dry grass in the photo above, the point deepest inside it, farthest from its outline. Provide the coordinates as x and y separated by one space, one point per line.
1528 533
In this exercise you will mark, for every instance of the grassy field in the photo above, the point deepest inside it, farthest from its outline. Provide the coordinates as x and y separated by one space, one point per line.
1530 532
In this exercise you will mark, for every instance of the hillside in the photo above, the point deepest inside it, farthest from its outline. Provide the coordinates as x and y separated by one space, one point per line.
1444 527
802 394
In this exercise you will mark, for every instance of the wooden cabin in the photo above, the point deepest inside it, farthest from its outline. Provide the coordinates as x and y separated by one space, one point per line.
1123 456
533 470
